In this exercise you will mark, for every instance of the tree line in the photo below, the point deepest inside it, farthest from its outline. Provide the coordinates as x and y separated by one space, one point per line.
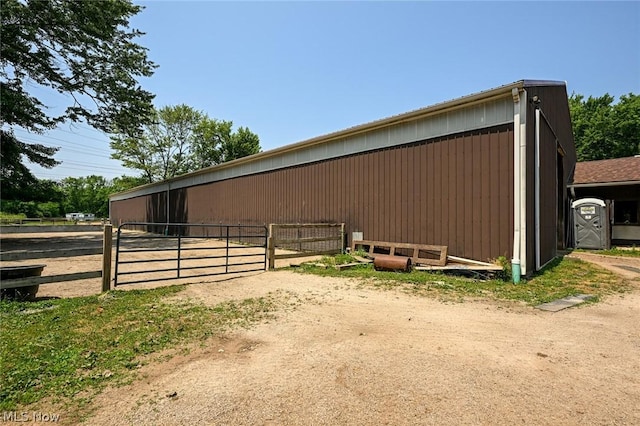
86 54
179 140
53 199
603 129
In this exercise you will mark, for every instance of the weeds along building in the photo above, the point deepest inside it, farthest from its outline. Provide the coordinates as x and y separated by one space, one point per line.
485 175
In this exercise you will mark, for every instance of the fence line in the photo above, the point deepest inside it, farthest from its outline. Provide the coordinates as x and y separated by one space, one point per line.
52 221
105 273
307 239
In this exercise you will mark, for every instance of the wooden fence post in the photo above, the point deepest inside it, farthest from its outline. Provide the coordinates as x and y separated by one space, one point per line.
106 257
271 249
342 238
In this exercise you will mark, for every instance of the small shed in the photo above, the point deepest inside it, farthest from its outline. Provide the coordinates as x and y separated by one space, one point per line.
485 175
616 182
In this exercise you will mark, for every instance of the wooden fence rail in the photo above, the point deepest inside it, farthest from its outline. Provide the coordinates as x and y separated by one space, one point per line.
46 254
48 279
105 273
290 236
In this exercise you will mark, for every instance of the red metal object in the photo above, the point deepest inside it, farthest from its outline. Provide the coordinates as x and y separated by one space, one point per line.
383 262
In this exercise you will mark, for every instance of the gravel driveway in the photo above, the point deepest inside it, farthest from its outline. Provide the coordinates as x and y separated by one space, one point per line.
347 354
344 353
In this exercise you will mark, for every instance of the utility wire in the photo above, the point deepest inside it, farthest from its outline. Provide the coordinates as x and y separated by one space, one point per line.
65 141
74 163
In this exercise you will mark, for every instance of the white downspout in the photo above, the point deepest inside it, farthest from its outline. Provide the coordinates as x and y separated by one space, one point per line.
515 261
519 261
537 189
523 183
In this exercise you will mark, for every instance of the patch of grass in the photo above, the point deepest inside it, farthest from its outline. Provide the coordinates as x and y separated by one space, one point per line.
12 216
615 251
563 277
69 349
338 259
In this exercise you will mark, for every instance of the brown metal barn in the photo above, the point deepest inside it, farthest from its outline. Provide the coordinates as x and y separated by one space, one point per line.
485 175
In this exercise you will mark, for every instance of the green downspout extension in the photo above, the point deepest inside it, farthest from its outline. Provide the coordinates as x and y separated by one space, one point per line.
515 270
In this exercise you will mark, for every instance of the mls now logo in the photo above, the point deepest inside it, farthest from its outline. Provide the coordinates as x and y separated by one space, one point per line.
26 416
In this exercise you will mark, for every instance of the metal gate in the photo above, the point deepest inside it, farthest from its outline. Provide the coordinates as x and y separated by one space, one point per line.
590 223
168 251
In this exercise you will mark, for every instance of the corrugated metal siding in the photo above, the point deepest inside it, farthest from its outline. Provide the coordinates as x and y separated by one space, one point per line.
548 194
132 210
483 114
455 191
553 102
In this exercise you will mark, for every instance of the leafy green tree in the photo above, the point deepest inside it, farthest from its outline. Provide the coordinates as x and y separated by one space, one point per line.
43 198
602 129
627 124
84 194
31 208
212 135
241 144
164 148
87 195
81 49
124 183
181 140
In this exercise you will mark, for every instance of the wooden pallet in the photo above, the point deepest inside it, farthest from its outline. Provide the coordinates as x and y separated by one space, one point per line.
417 252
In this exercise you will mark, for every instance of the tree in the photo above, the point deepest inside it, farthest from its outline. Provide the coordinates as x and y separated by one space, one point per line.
124 183
604 130
91 194
181 140
212 135
44 198
83 50
240 144
86 195
163 150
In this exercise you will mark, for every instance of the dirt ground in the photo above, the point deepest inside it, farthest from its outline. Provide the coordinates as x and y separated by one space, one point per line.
350 354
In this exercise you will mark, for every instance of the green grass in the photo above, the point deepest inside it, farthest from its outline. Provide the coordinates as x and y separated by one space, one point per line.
12 216
563 277
67 350
615 251
338 259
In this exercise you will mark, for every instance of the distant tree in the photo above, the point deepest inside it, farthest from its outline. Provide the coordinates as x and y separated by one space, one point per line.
47 198
240 144
43 198
40 191
163 150
216 143
81 49
124 183
212 135
602 129
86 195
181 140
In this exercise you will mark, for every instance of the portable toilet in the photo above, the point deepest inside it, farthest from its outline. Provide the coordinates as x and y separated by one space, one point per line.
591 224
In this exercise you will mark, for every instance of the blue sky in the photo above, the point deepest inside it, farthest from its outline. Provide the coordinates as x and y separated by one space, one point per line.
290 71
